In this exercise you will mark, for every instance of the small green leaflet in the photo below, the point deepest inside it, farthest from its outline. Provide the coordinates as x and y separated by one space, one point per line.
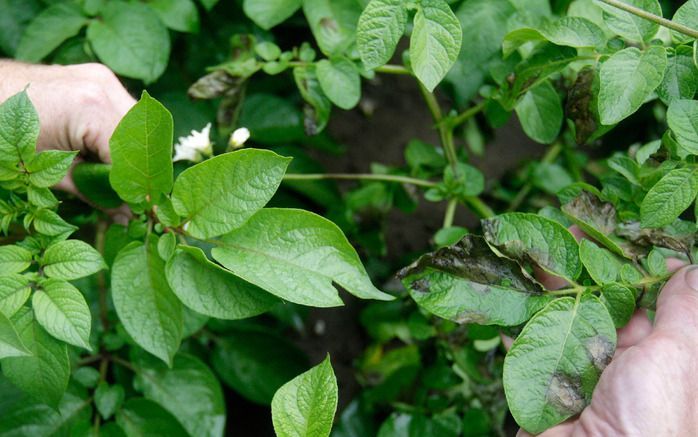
179 15
49 167
468 283
268 13
71 259
602 265
567 31
141 152
14 291
381 25
220 194
627 79
141 417
669 197
340 80
11 344
146 306
49 223
62 311
41 197
558 358
435 42
686 15
680 78
209 289
108 399
628 25
317 112
682 117
296 255
44 375
48 30
333 23
619 301
529 237
19 129
131 39
305 406
14 259
540 113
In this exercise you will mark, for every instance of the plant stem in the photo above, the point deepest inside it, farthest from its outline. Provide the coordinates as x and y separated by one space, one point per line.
651 17
450 213
122 362
393 69
101 278
578 289
465 115
479 207
359 176
549 157
445 133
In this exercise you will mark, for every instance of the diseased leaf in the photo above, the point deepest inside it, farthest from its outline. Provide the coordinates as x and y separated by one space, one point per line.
268 13
627 79
296 255
62 311
220 194
435 42
380 27
141 152
14 292
571 342
48 30
596 218
305 406
540 113
468 283
340 80
19 129
333 23
602 265
619 301
150 312
631 26
188 390
209 289
14 259
669 197
45 373
71 259
141 417
529 237
679 236
682 117
316 112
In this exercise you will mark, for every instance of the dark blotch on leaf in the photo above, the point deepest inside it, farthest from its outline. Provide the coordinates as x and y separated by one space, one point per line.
472 317
600 351
565 394
680 237
579 107
421 285
590 209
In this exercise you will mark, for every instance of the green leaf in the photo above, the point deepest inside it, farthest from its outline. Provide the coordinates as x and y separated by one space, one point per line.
602 265
631 26
62 311
14 259
686 15
188 390
435 42
14 292
256 363
672 195
627 79
108 399
146 306
680 78
567 31
220 194
596 218
305 406
48 30
180 15
317 111
141 417
11 344
468 283
71 259
92 181
340 80
41 197
656 263
540 113
209 289
44 375
141 152
682 117
381 25
619 301
558 358
296 255
333 23
131 40
529 237
268 13
49 223
167 245
14 20
19 129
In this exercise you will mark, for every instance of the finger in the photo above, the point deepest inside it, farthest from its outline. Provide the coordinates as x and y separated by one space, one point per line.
563 429
677 304
637 329
506 341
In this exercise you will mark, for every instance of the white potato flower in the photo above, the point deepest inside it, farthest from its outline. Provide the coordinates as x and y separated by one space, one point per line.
238 137
194 147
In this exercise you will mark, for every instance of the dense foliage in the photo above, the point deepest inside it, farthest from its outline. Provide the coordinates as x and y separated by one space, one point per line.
137 333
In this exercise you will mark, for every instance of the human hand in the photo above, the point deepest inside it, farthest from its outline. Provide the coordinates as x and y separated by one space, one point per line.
649 388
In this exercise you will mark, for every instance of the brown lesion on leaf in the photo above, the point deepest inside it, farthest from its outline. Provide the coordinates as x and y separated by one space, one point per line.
471 317
565 394
579 105
600 351
675 238
329 25
421 285
588 208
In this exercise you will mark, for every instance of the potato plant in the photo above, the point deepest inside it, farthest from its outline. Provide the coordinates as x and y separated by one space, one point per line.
136 329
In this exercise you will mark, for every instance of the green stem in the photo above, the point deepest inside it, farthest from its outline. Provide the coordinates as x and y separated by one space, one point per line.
359 176
578 289
479 207
549 157
445 133
101 276
651 17
450 213
465 115
392 69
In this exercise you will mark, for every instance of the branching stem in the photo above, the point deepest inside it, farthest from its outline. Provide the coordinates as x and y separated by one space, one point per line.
359 176
651 17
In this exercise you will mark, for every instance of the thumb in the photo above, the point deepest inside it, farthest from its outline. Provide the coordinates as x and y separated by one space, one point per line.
677 304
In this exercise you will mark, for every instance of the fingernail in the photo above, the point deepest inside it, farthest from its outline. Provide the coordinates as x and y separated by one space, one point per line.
691 277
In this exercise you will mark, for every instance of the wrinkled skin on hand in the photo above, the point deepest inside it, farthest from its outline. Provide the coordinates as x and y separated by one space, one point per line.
650 388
